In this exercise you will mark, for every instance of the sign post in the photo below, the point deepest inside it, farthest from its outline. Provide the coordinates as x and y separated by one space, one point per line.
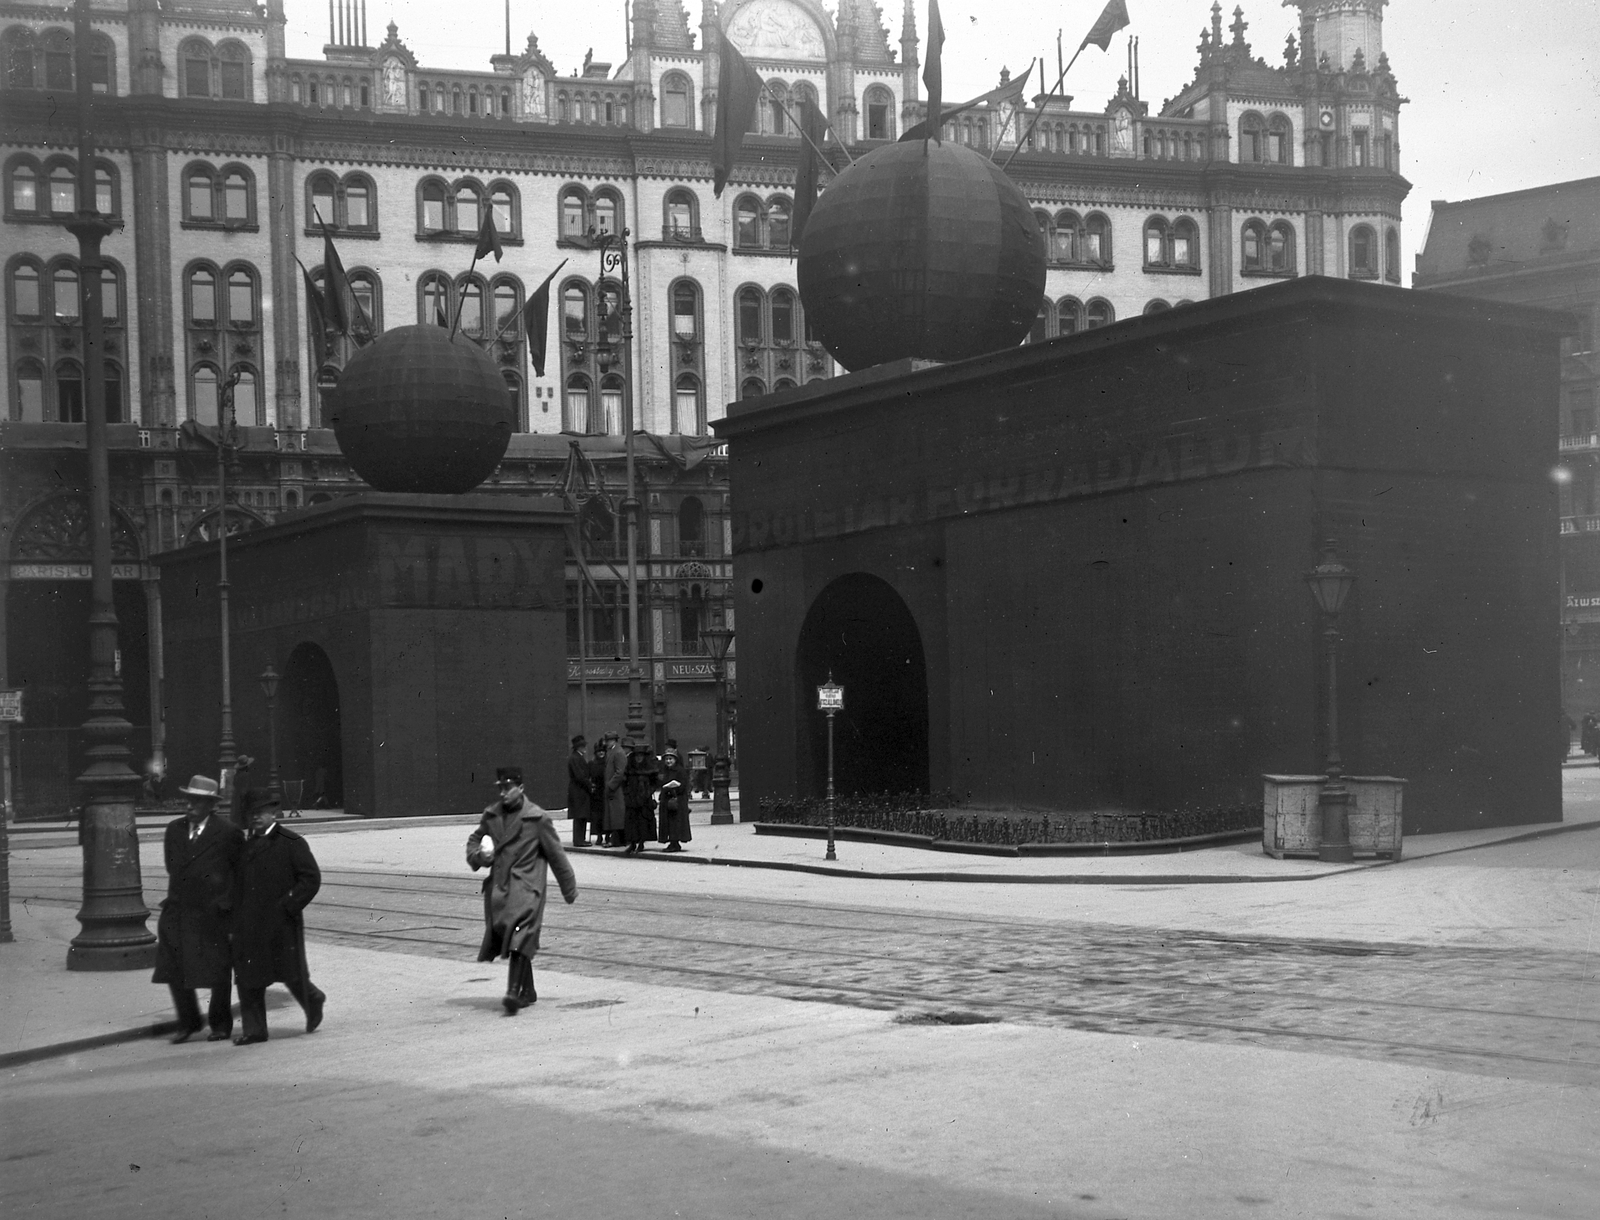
830 699
10 714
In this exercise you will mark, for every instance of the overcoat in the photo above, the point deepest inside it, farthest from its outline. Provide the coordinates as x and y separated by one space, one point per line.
192 931
639 784
526 846
616 814
278 876
580 786
675 801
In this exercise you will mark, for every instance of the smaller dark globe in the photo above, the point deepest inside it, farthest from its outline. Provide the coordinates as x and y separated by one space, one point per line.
419 411
921 250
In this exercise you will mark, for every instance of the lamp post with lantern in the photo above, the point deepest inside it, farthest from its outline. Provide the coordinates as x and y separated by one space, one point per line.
613 249
830 699
718 640
1330 582
227 458
269 688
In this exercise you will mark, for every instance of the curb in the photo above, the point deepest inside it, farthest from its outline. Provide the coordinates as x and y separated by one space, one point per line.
895 838
34 1054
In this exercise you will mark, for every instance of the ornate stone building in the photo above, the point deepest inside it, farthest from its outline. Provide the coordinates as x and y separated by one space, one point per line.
219 156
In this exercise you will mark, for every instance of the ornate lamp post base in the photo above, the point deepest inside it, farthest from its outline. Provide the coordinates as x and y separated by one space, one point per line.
721 806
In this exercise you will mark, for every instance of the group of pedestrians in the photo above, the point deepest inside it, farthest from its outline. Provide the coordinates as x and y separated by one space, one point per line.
232 915
627 795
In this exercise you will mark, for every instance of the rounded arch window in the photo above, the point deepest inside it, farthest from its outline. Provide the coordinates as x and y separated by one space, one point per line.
778 212
25 295
750 329
63 188
1097 239
783 312
1040 330
688 412
204 394
685 311
1252 246
577 404
433 299
747 222
433 195
1280 247
471 307
247 405
507 308
676 110
236 196
358 196
878 104
607 213
1069 316
1391 255
1363 252
1064 233
1099 313
241 297
572 212
202 296
64 290
575 310
503 204
466 199
69 392
1157 306
24 196
29 402
611 405
1155 242
680 214
199 187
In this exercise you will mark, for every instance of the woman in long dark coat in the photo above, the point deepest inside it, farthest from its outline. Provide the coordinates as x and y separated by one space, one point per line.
639 788
278 876
526 847
674 801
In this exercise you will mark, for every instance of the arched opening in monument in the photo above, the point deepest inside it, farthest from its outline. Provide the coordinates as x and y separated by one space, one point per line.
861 632
310 729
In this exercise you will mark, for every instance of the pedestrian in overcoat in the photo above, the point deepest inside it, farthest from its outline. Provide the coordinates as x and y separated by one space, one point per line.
674 800
580 791
201 851
524 847
641 779
616 798
278 876
597 788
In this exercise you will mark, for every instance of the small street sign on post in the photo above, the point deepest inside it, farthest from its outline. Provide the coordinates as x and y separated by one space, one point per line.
830 700
10 707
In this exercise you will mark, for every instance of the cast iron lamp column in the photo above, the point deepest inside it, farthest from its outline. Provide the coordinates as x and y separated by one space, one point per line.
113 915
227 449
605 356
718 641
830 699
269 688
1330 583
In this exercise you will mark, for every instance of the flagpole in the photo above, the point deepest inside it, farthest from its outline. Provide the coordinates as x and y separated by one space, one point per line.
461 296
507 326
1028 135
801 128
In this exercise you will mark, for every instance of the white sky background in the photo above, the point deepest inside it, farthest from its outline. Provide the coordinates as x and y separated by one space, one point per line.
1505 94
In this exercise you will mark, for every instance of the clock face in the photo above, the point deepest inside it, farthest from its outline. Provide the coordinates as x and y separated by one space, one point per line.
1327 118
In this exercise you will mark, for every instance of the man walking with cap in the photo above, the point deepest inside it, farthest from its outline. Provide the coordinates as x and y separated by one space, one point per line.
580 791
519 845
202 856
278 876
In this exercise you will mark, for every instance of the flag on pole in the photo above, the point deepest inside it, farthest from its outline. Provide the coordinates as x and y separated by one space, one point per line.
317 316
933 74
440 318
488 238
738 87
1110 21
814 129
920 130
536 320
345 315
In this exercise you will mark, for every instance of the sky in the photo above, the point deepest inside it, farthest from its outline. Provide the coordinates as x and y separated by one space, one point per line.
1503 95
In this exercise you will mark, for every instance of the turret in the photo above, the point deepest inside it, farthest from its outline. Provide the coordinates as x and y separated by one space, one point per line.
1340 28
908 59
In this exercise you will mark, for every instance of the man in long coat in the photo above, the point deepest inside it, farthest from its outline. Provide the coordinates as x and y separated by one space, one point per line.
580 789
202 853
278 876
616 798
524 847
642 777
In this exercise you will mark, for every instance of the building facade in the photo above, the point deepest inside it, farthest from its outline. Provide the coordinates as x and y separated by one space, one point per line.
1542 247
220 160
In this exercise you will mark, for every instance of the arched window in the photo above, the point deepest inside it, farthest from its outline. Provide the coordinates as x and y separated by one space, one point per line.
778 210
204 394
574 209
25 296
611 405
360 203
1280 140
688 407
576 409
878 106
1252 138
747 222
503 203
783 311
237 197
64 291
692 529
223 71
1099 313
607 212
1155 242
1363 253
750 328
1280 248
247 405
676 107
1096 247
1391 255
685 311
467 196
1069 316
507 308
366 289
804 91
471 298
69 392
18 48
575 310
1252 246
63 188
194 67
1184 251
777 93
681 219
28 402
433 299
199 190
202 296
432 199
241 297
1157 306
1040 330
1046 232
1064 238
113 392
234 71
22 194
107 198
753 387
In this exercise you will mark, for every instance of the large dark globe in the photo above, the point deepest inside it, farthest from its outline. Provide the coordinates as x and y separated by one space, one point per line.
419 411
921 250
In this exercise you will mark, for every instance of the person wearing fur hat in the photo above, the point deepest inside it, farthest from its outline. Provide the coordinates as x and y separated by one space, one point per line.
278 876
518 843
201 850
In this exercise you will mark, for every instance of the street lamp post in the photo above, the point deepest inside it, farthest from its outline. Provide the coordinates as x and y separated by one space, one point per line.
113 915
1330 583
830 699
718 640
227 451
269 688
613 249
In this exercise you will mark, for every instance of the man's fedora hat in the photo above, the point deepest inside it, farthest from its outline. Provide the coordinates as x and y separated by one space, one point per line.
259 800
202 785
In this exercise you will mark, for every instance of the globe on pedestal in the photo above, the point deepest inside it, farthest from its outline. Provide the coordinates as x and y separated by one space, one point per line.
920 250
419 411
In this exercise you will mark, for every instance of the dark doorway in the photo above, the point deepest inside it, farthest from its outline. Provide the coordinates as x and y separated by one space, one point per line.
862 632
309 727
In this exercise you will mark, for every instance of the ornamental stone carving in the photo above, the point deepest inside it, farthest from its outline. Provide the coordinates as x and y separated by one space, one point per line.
533 99
57 531
776 29
394 83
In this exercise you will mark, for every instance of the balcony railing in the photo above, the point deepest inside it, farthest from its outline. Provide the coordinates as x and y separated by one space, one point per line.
691 548
1581 443
1581 525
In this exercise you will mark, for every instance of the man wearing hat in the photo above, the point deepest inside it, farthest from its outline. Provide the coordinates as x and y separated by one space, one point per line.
278 876
616 799
519 845
202 856
580 791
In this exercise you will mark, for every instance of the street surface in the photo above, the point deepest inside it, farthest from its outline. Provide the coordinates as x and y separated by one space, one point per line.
1414 1040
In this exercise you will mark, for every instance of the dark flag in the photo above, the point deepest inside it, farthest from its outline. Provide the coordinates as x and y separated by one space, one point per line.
488 238
1110 21
440 318
345 315
536 320
933 73
814 129
317 316
738 87
920 130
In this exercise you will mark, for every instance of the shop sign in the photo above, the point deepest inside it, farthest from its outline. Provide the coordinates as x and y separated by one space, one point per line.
10 707
70 571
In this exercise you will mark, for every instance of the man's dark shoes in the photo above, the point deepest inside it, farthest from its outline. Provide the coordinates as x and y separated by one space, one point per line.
529 995
249 1039
219 1035
314 1012
183 1035
512 1002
